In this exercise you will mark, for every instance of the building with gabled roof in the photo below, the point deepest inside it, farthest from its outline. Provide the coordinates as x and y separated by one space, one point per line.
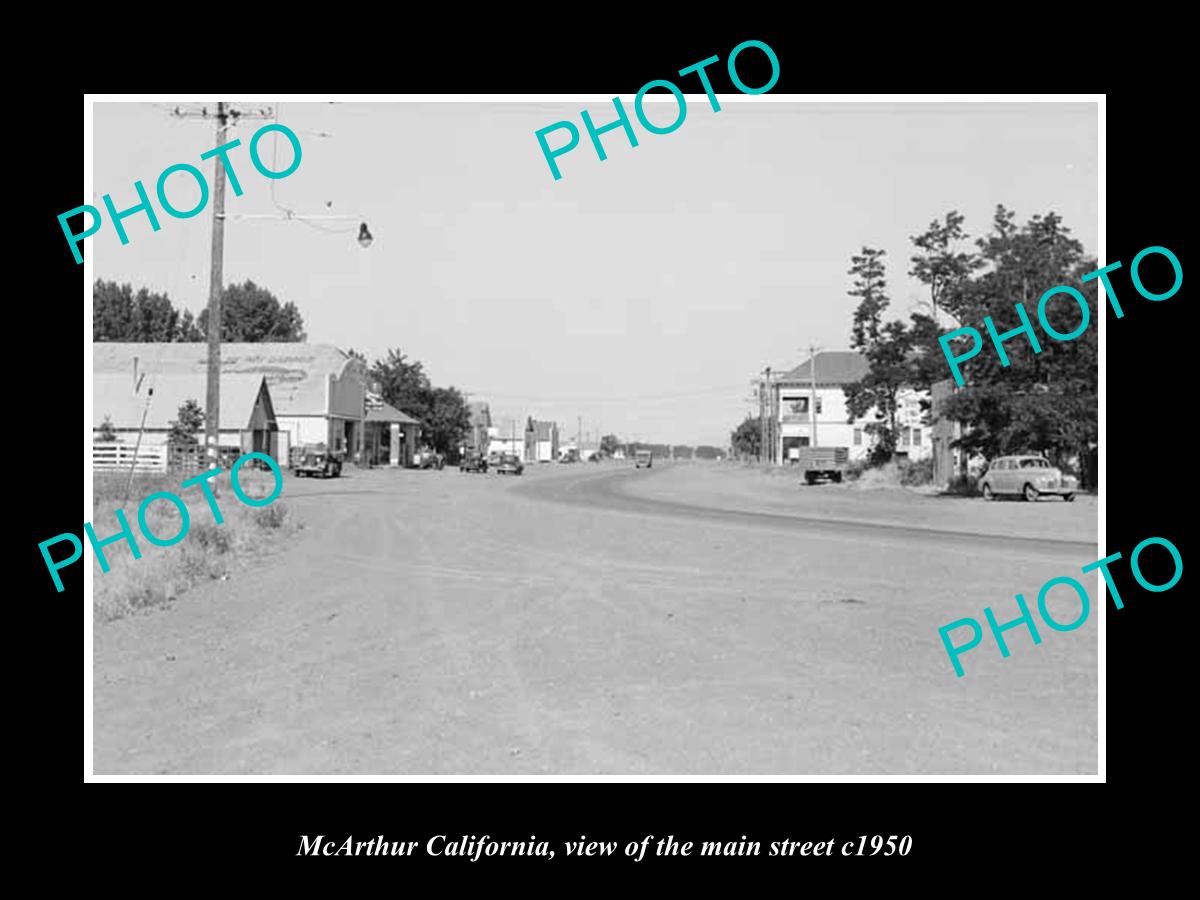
147 407
793 395
318 391
541 441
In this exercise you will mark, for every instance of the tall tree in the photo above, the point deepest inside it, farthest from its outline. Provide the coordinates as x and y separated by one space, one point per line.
118 314
1042 401
940 263
402 382
252 314
443 412
888 348
609 444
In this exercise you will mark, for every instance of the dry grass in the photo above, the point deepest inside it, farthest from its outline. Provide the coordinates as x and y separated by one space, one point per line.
208 551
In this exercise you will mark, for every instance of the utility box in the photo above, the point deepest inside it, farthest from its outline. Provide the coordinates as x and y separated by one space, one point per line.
819 463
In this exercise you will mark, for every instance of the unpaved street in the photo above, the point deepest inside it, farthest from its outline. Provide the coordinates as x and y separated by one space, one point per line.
596 619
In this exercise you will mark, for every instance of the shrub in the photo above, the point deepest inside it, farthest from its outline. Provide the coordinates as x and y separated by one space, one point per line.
964 485
914 473
272 516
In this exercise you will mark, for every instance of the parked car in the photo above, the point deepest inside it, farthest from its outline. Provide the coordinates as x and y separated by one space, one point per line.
510 464
473 461
315 459
1027 476
494 457
643 458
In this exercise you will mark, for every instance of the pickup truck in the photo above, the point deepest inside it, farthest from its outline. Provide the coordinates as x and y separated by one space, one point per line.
822 463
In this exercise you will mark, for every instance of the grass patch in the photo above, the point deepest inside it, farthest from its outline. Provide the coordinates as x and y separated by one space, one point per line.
207 551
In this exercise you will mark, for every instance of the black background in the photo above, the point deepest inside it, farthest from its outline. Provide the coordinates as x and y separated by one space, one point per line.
964 835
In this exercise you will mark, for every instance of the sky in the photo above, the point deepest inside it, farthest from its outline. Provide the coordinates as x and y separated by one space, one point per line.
641 294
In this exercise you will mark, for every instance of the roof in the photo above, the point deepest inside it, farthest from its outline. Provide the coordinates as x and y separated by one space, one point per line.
113 396
385 413
833 367
297 374
543 430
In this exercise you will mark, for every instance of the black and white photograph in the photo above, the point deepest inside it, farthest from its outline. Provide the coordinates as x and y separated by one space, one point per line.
533 436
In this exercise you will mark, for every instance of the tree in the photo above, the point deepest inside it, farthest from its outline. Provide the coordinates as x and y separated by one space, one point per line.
888 348
446 420
189 421
940 264
402 383
253 314
681 451
706 451
107 433
1042 401
609 444
118 314
746 439
443 412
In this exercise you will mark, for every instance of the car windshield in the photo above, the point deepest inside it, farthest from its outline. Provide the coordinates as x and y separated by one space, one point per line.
1034 464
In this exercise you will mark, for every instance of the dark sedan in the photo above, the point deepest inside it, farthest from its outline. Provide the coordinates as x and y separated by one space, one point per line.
510 465
473 462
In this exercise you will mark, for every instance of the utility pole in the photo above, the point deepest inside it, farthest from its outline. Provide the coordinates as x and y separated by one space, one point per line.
212 401
812 402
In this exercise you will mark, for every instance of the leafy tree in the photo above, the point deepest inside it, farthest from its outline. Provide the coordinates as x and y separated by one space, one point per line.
107 433
940 264
746 439
444 414
1045 401
189 421
681 451
253 314
402 382
706 451
888 348
447 420
118 314
609 444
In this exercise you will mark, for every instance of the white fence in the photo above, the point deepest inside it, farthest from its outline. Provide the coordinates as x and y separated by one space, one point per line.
121 456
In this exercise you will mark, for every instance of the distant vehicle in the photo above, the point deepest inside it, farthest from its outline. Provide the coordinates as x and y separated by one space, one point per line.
1027 476
643 458
428 459
315 459
570 455
818 463
494 457
473 461
510 464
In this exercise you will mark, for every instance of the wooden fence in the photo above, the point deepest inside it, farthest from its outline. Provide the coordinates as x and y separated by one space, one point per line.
108 457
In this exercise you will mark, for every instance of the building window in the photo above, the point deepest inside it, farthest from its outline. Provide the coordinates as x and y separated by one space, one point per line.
906 437
916 437
857 437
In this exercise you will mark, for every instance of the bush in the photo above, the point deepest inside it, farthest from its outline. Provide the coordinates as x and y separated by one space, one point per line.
914 473
963 485
855 469
272 516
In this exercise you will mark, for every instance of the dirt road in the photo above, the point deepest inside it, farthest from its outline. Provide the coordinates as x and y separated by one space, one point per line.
597 619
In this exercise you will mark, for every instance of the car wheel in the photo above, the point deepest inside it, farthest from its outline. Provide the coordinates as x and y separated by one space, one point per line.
1068 497
1030 492
987 493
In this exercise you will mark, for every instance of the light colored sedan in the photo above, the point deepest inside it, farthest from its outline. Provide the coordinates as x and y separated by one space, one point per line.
1026 476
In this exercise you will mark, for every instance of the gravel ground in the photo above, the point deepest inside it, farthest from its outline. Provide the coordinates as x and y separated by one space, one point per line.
595 619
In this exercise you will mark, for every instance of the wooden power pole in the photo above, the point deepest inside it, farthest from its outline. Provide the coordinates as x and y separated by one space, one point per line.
212 399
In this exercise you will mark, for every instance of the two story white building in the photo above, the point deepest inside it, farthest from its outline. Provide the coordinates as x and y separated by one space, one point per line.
795 420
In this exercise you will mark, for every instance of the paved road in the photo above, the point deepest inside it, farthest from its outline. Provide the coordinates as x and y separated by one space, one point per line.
586 619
